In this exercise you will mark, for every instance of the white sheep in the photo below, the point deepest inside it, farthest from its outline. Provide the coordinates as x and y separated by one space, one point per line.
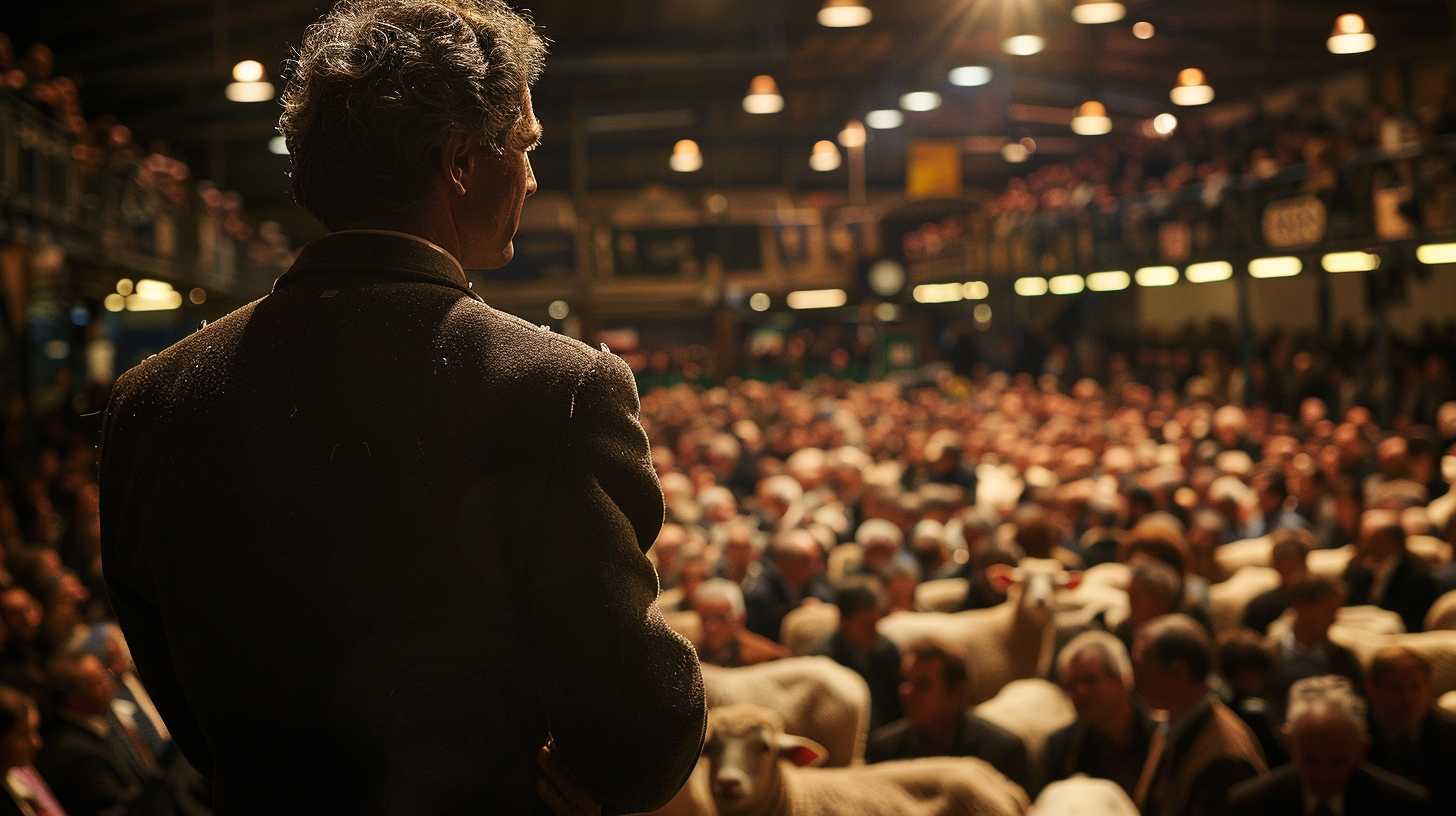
1083 796
817 698
1443 612
756 768
1032 709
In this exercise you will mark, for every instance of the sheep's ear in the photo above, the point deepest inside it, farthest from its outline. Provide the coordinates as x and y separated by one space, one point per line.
1001 576
801 751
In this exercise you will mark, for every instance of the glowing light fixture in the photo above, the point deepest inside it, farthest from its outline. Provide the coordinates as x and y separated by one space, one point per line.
1091 119
153 296
817 299
1350 36
1143 30
1436 254
982 314
115 302
125 286
845 14
1284 266
1192 89
1164 124
825 157
1350 262
249 91
1111 281
760 301
1209 272
1023 45
1096 12
976 290
1015 152
1030 287
1067 284
763 96
558 310
886 119
197 295
278 146
853 135
938 293
686 157
887 313
920 101
970 76
1156 276
248 71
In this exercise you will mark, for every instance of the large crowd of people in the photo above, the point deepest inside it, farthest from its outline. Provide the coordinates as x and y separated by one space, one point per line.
838 492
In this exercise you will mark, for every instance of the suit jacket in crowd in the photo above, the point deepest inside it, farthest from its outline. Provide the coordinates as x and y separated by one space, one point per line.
976 737
372 540
1370 792
90 771
1207 753
1428 759
1409 593
1079 749
880 668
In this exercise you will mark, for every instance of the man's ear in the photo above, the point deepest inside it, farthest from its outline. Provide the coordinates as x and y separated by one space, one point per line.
801 751
457 162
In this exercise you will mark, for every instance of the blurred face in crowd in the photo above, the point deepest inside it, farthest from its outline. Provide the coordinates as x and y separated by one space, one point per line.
1096 691
720 625
669 544
22 615
797 558
1326 748
19 747
1313 619
738 549
1291 570
692 576
924 696
95 689
1381 536
1401 696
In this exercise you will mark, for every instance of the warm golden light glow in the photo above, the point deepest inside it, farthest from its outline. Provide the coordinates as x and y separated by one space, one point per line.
1030 287
1152 276
1023 45
1091 119
1209 272
1111 281
1350 36
970 76
976 290
1067 284
887 119
825 157
763 96
1096 12
1336 262
853 135
817 299
1192 89
938 293
248 71
1284 266
686 157
920 101
845 14
1436 254
760 302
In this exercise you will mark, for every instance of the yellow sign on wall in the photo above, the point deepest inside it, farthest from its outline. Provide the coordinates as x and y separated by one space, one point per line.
934 170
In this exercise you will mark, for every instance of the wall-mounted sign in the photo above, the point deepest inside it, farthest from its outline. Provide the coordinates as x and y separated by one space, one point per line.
1294 222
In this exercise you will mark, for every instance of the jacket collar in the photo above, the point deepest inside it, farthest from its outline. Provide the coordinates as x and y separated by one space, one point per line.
377 254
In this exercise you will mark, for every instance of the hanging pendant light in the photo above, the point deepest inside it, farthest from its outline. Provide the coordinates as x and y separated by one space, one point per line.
687 157
845 14
763 96
1023 45
1192 89
1091 119
1350 36
825 157
1096 12
853 135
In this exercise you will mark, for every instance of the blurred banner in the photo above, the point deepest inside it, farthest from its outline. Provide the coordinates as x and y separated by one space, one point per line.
934 170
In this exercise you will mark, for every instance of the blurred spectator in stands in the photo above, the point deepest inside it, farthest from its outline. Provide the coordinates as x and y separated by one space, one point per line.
691 575
934 694
1410 735
1385 574
667 552
740 547
1289 557
858 645
881 543
1245 665
26 793
724 641
1327 738
1305 649
1110 737
22 660
791 577
1153 591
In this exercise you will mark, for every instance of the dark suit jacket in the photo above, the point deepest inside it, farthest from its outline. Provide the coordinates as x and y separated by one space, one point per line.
91 774
1426 762
880 669
1265 609
978 738
1370 791
371 540
1410 593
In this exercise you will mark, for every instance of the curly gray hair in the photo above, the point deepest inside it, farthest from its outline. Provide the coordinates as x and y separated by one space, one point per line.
377 87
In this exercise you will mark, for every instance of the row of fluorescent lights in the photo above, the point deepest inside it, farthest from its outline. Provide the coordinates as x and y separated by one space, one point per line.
1282 266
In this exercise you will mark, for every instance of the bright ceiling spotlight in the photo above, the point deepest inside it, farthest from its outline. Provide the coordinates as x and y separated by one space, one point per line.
686 157
970 76
1143 30
1096 12
760 302
845 14
817 299
1209 272
887 119
248 71
1091 119
920 101
938 293
1336 262
1067 284
1015 152
763 96
1156 276
825 157
1285 266
1350 36
1164 124
1111 281
1023 45
1192 89
1030 287
853 135
278 146
976 290
249 91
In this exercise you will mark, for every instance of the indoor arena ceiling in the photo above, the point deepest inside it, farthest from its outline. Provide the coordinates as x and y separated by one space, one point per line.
637 75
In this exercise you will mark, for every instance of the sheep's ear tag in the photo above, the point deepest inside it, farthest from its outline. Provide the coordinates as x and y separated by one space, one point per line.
1001 576
800 751
1071 579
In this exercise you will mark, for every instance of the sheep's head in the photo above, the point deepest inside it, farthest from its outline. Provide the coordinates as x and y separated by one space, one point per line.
744 746
1035 582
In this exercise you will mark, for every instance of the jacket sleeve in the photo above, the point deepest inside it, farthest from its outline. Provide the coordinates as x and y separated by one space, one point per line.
124 480
623 692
